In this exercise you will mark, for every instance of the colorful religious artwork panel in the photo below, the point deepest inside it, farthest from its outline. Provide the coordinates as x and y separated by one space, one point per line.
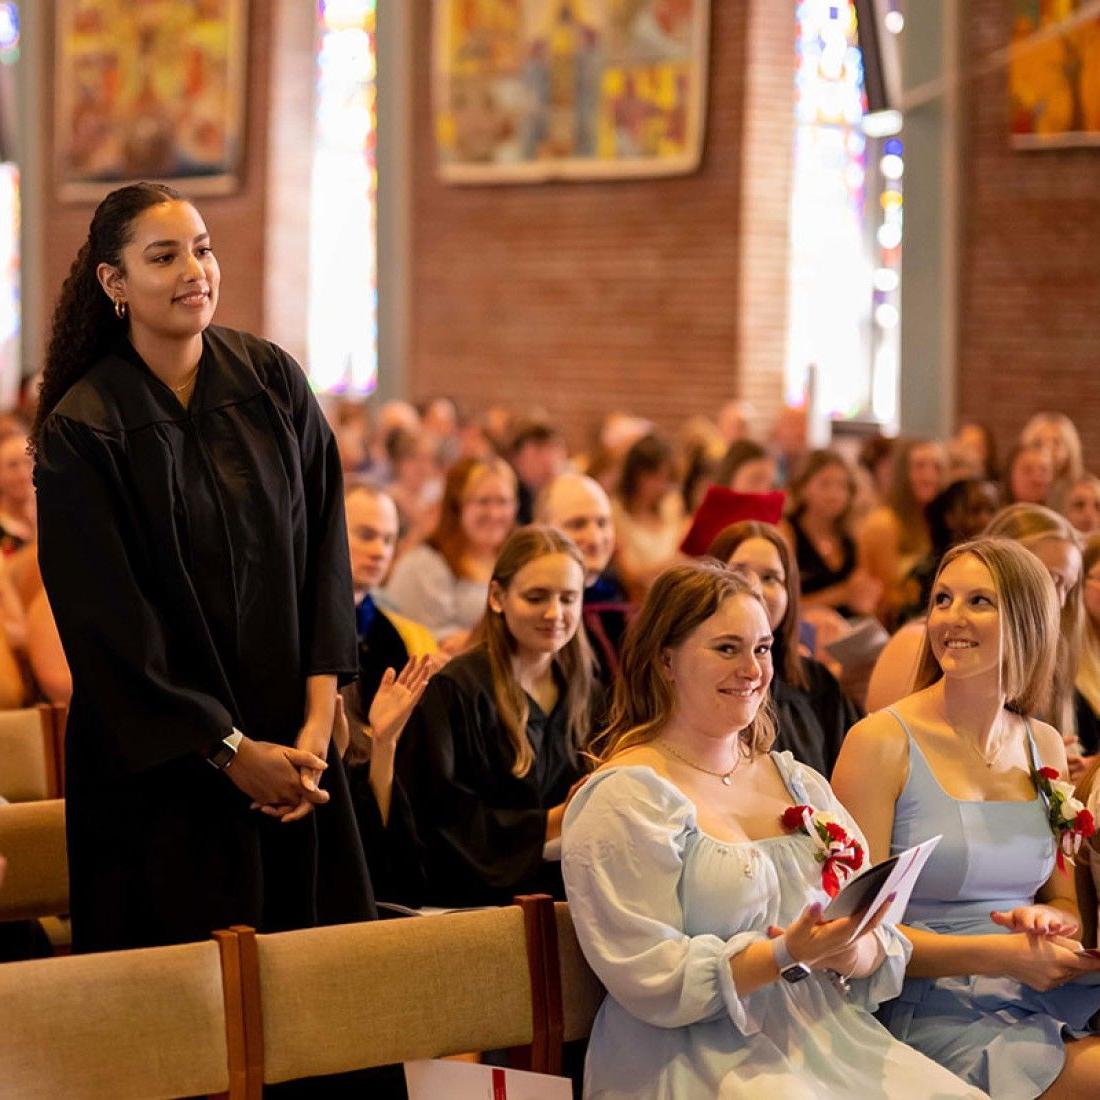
148 89
1054 73
533 90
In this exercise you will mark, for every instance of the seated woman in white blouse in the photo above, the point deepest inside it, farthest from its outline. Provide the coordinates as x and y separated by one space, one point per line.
444 582
698 909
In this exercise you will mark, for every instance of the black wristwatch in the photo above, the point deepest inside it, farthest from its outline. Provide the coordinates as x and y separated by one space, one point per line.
789 969
223 752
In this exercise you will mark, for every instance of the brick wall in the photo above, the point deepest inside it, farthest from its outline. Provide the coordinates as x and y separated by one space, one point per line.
1030 264
236 222
661 296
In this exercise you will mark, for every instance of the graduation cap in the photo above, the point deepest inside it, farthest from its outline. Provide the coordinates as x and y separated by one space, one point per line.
721 507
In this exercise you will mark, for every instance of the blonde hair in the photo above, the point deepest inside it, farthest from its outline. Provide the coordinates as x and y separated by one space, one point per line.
574 661
679 600
1028 524
1028 618
1074 466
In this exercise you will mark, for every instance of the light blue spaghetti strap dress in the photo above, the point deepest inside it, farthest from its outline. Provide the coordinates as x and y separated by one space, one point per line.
660 908
997 1033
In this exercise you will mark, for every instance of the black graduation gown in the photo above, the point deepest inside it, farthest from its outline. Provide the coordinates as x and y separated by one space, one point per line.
607 614
814 572
812 722
197 565
463 830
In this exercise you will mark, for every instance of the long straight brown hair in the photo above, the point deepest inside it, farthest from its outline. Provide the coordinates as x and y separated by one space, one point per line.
574 661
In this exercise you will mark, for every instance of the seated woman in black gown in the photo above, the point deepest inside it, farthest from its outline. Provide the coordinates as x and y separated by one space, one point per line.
813 715
492 750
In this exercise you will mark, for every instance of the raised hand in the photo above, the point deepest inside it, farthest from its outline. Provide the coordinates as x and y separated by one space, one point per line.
397 695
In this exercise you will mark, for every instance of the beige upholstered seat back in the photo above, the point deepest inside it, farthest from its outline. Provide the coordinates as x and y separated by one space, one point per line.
26 755
352 996
581 991
32 839
122 1024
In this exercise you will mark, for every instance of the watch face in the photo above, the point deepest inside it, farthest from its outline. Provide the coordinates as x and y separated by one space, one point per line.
795 973
221 756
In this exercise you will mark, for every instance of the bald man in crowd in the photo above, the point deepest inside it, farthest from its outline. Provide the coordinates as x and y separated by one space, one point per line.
578 507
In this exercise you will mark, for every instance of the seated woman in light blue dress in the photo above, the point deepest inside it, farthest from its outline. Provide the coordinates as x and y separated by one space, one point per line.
995 989
695 906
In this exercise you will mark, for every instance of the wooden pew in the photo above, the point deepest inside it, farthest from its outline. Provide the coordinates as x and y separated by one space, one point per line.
333 1000
574 993
158 1022
32 839
30 767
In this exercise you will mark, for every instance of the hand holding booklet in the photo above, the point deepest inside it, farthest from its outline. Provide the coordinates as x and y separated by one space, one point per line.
867 892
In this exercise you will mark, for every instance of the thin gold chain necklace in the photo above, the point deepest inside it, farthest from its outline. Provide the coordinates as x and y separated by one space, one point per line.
726 777
190 381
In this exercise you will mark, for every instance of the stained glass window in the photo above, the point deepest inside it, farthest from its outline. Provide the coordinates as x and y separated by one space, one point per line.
846 218
343 274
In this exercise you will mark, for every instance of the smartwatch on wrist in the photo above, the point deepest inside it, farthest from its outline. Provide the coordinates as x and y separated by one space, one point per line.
224 752
789 969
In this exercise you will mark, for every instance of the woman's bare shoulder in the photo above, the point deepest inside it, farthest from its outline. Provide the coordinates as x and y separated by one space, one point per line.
644 755
1049 744
880 729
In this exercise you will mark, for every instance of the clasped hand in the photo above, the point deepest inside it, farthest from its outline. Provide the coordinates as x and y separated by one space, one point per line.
284 781
1041 953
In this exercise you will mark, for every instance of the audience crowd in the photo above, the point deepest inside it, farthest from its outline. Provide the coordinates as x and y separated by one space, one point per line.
537 661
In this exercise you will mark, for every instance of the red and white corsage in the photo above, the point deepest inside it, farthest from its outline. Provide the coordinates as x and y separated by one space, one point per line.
840 854
1069 821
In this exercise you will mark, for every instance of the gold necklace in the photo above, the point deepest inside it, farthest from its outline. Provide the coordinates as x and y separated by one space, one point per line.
190 381
987 760
724 776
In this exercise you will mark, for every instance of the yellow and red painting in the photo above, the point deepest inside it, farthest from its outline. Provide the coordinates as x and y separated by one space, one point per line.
148 89
529 90
1054 73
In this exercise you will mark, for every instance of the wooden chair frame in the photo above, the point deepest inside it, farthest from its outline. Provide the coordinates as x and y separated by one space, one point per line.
538 917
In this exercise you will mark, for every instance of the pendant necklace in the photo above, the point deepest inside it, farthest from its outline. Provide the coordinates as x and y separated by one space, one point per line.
726 777
987 759
748 853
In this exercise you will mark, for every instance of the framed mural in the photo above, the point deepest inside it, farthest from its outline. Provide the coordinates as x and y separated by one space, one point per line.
1054 74
534 90
148 89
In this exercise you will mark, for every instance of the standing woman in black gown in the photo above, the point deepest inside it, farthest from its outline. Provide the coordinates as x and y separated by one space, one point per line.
193 547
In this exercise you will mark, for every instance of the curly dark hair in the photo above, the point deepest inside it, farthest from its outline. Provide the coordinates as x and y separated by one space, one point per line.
84 321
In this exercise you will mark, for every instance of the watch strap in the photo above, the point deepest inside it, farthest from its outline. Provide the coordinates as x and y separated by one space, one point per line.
221 754
790 969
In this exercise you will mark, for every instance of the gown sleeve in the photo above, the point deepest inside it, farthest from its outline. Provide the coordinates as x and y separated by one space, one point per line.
462 835
99 578
328 602
622 858
885 983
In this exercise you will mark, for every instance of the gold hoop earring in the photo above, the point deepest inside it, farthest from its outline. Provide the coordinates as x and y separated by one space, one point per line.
120 309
